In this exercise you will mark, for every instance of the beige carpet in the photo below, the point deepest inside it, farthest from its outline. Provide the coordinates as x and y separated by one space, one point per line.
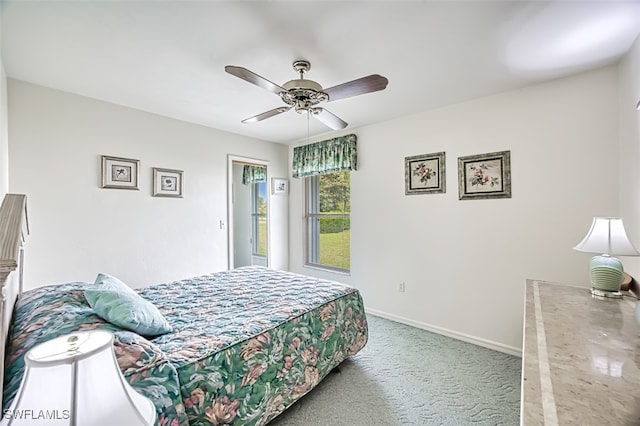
408 376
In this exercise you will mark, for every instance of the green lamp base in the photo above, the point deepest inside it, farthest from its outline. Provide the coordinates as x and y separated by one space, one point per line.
606 274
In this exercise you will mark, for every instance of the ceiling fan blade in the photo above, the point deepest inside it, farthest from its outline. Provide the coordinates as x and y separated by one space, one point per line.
328 119
266 115
368 84
254 78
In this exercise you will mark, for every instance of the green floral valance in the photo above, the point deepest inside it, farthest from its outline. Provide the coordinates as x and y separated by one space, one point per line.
332 155
251 174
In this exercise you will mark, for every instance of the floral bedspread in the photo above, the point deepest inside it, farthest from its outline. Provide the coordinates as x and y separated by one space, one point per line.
48 312
249 342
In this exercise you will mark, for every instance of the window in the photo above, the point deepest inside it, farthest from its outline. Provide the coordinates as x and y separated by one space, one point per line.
259 218
328 208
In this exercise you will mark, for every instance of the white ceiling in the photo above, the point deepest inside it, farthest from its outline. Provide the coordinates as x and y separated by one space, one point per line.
168 57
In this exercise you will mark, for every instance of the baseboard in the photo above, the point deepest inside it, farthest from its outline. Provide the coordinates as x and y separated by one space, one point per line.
511 350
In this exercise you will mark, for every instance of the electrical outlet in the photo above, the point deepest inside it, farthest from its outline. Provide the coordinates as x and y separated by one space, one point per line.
401 287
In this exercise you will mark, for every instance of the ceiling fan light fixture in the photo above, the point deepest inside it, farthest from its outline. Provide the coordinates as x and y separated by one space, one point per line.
304 95
302 83
305 107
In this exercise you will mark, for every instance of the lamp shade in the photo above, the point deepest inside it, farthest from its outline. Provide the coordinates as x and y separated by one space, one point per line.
607 236
75 380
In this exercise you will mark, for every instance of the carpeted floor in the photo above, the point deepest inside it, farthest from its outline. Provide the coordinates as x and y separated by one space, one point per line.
408 376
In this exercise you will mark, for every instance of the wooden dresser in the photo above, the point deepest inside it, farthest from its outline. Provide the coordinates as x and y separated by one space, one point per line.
581 358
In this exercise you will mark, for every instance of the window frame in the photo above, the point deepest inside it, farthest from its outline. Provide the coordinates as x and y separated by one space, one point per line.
312 216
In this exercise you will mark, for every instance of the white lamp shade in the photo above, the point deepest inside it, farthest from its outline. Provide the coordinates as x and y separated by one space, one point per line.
607 236
77 387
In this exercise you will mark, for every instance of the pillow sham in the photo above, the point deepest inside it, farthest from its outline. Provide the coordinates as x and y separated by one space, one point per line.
120 305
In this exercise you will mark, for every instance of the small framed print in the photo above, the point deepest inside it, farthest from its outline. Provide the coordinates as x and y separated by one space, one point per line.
279 186
485 176
425 174
121 173
167 183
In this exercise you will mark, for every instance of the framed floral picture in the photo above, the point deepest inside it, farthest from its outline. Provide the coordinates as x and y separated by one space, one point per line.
167 183
121 173
485 176
425 174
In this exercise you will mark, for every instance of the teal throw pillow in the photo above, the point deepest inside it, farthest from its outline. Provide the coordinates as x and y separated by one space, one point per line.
109 282
126 308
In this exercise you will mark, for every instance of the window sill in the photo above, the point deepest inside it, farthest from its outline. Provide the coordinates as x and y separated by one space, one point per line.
330 270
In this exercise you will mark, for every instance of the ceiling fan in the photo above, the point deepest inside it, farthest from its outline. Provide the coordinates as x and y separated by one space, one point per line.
304 95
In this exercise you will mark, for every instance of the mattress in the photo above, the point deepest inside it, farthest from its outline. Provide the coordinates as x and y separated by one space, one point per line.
249 342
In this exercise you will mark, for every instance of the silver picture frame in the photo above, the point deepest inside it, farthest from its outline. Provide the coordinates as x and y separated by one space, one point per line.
167 183
425 174
119 172
484 176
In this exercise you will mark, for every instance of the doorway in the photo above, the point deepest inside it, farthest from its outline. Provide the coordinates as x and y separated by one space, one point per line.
248 212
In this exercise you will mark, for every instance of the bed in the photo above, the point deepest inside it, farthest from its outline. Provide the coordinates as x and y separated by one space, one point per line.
244 345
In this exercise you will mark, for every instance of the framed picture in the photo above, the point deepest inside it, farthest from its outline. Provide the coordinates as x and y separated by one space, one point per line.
279 186
485 176
167 183
121 173
425 174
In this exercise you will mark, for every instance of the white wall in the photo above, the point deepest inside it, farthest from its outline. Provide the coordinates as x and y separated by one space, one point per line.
4 137
4 142
465 262
79 229
629 128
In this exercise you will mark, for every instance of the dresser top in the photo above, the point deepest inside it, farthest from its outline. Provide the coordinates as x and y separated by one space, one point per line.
581 358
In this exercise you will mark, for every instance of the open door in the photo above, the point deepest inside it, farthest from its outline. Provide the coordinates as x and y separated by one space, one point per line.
248 212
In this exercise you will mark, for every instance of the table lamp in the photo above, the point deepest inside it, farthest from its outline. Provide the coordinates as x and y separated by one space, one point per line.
607 237
75 380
